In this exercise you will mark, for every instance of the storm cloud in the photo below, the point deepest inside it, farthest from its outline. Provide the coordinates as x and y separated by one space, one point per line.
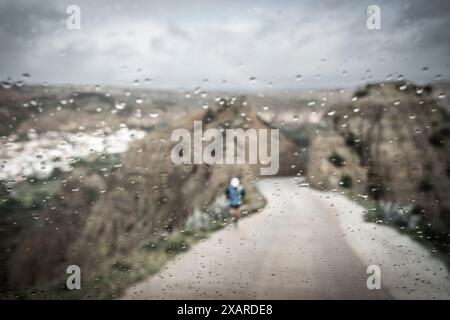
183 44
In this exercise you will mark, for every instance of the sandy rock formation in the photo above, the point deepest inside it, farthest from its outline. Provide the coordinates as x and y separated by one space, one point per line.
390 142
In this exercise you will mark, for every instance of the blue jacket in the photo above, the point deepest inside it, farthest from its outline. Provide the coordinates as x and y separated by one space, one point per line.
235 195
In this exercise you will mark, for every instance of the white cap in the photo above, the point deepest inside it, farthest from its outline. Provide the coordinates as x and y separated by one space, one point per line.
234 182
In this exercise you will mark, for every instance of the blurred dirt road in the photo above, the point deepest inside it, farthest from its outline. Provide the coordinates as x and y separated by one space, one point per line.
305 244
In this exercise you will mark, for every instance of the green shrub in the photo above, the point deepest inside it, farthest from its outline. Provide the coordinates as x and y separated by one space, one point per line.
438 138
375 190
218 211
102 164
122 266
151 246
336 159
197 221
346 181
176 243
425 186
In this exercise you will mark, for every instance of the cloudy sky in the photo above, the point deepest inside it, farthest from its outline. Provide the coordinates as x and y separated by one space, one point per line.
224 44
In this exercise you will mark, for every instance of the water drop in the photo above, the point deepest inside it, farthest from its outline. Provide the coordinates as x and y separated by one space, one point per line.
120 105
6 85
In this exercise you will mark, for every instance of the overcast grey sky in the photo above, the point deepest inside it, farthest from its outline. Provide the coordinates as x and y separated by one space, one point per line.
182 43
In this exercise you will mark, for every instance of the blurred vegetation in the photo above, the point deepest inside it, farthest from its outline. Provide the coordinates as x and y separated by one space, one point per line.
437 242
23 203
102 163
20 207
122 270
336 159
346 181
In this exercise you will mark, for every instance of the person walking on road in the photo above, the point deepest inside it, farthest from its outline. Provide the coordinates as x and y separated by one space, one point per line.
235 192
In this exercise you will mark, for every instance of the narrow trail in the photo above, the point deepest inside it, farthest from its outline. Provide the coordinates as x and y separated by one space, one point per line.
305 244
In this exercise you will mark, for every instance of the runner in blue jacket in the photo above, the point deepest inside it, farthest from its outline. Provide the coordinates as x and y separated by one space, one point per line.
235 193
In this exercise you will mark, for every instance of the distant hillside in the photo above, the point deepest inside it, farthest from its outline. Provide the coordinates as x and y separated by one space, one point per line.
67 108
